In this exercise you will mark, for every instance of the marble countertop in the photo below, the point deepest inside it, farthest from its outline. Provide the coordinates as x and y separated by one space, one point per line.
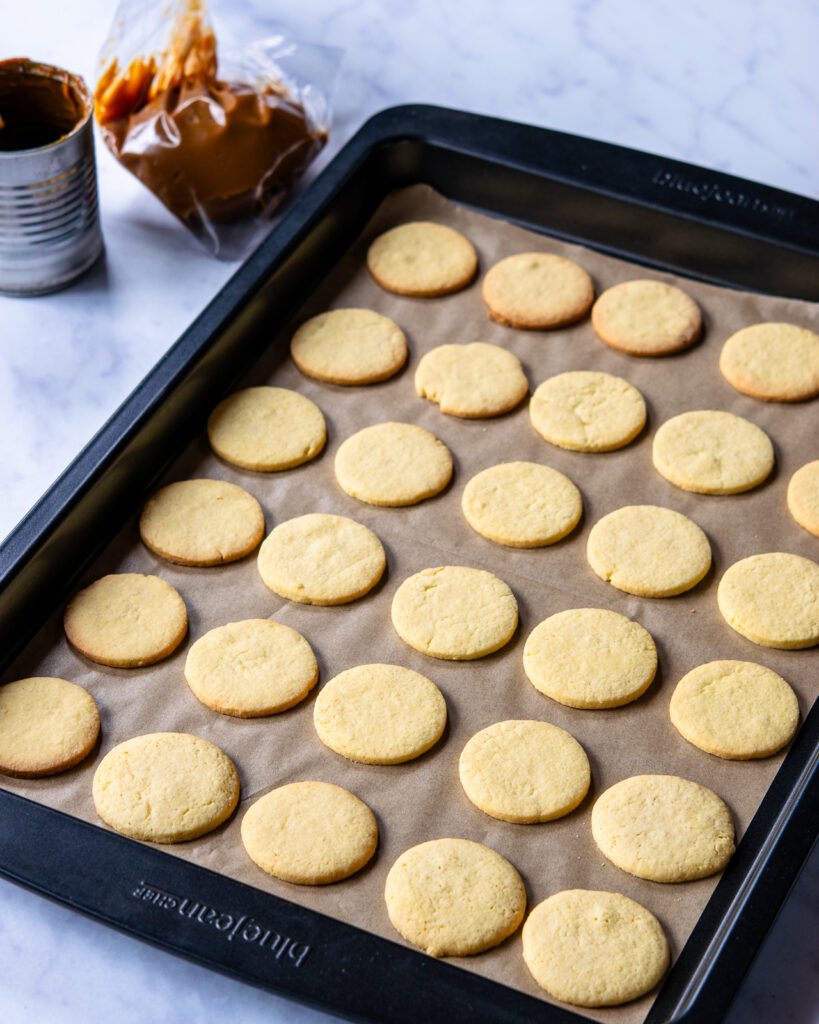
731 85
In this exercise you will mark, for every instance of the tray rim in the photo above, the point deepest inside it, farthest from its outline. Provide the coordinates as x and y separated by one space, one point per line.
432 126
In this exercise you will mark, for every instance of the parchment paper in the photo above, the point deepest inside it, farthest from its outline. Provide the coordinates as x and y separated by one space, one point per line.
423 799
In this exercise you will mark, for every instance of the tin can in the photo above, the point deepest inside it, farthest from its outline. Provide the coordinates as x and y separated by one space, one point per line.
49 218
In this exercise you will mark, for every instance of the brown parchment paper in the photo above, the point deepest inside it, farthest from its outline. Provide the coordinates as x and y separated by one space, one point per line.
423 799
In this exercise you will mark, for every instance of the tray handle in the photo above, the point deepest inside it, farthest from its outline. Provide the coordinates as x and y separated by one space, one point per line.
655 181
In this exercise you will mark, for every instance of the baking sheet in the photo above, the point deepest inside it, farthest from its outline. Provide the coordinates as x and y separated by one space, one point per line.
423 799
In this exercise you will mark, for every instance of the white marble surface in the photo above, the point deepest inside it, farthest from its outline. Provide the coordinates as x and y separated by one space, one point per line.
731 85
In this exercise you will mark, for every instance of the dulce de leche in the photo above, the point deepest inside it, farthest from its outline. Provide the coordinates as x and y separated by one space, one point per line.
211 150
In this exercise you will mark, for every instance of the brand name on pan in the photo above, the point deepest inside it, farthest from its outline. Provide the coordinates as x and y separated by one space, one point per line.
238 927
713 192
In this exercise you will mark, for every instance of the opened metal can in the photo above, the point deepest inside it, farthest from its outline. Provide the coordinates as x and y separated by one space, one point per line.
49 218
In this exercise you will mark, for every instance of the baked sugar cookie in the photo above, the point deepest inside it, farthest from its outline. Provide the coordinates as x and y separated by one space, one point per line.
712 452
735 709
663 828
590 658
453 897
422 259
522 504
472 381
524 771
321 559
267 429
126 620
649 551
201 522
772 361
380 714
393 464
772 599
646 318
587 411
349 346
593 948
46 726
537 290
165 787
803 496
251 668
454 612
310 833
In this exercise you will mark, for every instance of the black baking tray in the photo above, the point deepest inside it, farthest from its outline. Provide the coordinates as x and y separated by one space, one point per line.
644 208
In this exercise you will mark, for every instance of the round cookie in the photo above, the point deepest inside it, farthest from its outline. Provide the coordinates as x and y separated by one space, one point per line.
349 346
524 771
393 464
126 620
649 551
267 429
474 381
772 361
251 668
646 318
522 504
735 709
310 833
321 559
165 787
587 411
590 658
201 522
772 599
663 828
422 259
453 897
593 948
537 290
454 612
380 714
803 496
46 726
712 452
